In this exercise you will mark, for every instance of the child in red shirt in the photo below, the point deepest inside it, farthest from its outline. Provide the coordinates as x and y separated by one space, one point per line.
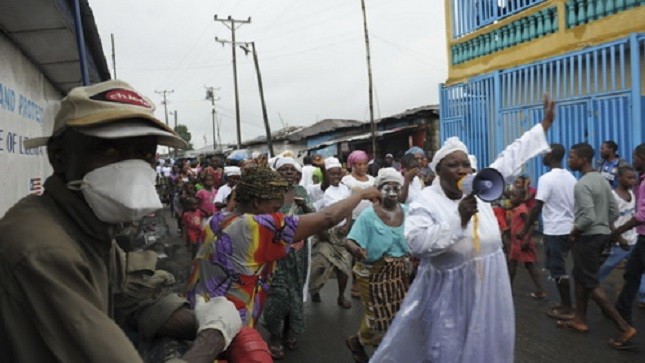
192 223
523 250
206 196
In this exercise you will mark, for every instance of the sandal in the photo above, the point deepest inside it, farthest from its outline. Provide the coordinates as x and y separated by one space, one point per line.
623 342
276 351
358 352
571 325
356 294
291 343
344 303
538 296
554 312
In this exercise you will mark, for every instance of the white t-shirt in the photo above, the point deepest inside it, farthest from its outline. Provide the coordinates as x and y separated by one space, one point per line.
335 194
307 175
166 170
626 211
222 193
355 186
316 195
555 190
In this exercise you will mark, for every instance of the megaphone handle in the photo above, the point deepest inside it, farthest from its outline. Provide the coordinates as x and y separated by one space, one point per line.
476 244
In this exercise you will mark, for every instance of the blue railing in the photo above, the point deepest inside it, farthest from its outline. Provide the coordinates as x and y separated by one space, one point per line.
470 15
598 91
586 11
520 31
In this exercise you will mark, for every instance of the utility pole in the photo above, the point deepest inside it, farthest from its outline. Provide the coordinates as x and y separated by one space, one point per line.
267 127
113 56
210 95
369 78
165 102
175 114
231 24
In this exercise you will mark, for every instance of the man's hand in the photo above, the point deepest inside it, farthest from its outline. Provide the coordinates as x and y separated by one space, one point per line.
549 112
410 174
219 314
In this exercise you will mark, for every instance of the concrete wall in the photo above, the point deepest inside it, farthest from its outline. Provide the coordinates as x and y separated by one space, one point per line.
28 104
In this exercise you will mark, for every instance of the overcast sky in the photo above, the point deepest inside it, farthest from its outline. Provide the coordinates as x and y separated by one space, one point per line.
312 58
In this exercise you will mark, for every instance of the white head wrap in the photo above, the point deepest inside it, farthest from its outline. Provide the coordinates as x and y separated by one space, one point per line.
281 161
232 171
332 162
386 175
473 161
451 145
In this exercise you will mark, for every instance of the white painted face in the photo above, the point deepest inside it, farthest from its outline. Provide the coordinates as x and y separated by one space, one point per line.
390 192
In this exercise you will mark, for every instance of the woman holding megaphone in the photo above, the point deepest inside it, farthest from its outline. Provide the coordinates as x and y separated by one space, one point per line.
459 307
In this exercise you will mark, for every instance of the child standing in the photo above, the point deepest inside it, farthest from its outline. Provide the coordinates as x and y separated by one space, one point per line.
206 195
523 250
192 223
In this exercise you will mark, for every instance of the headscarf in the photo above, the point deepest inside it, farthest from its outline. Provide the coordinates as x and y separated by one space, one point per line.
473 162
356 156
281 161
415 150
261 183
451 145
332 162
387 175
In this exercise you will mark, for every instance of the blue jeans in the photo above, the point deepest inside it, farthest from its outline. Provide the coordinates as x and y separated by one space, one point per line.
617 255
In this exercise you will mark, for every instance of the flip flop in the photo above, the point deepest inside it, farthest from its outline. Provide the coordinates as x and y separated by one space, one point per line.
620 345
356 294
555 313
358 351
536 297
344 303
568 324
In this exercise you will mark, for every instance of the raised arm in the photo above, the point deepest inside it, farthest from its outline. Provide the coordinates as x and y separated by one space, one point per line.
529 145
328 217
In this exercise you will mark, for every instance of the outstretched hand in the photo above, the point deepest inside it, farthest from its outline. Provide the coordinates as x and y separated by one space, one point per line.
549 112
372 194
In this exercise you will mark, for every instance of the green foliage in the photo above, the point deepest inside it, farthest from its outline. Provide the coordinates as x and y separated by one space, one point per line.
183 132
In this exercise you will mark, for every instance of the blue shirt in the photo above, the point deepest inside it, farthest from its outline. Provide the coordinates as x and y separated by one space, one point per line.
378 238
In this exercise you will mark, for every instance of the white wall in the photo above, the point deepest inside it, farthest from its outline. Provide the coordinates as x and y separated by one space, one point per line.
28 104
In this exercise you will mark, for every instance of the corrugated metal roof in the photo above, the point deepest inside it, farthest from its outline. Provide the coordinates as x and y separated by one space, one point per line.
44 31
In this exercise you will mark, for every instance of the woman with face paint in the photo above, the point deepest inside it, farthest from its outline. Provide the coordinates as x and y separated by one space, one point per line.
377 243
459 307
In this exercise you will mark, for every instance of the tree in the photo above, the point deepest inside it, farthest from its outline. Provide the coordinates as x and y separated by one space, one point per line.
183 132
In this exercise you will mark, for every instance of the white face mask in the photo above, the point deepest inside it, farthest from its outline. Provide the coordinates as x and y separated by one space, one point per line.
120 192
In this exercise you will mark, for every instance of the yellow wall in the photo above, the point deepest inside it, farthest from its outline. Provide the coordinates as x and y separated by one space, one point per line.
564 41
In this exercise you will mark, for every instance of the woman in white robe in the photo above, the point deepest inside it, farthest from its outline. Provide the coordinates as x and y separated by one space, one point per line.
459 307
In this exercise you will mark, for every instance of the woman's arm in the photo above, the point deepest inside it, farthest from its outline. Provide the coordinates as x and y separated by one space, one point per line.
328 217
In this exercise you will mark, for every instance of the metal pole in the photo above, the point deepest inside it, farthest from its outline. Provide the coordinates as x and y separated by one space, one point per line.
80 43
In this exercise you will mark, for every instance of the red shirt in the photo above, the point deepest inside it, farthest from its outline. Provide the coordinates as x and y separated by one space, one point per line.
192 222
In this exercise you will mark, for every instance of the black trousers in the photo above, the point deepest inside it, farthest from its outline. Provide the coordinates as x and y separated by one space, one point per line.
633 271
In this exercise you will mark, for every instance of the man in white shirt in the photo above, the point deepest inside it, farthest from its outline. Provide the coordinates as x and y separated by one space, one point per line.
233 174
412 185
307 172
555 201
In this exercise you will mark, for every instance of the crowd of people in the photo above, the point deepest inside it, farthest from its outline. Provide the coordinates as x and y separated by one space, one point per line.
432 266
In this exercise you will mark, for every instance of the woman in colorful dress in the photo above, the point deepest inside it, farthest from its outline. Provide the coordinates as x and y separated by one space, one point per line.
284 313
237 258
377 243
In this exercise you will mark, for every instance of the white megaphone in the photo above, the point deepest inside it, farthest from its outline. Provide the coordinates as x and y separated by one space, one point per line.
488 184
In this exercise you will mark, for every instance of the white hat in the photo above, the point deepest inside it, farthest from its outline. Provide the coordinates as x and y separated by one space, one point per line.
332 162
109 110
232 171
386 175
451 145
281 161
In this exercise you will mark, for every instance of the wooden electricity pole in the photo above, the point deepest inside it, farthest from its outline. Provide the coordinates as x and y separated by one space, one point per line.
210 95
369 79
267 126
230 23
165 102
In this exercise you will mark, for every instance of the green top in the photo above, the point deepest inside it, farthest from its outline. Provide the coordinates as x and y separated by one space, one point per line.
594 205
